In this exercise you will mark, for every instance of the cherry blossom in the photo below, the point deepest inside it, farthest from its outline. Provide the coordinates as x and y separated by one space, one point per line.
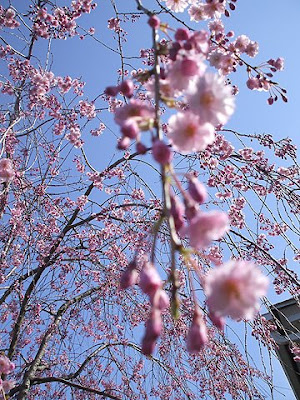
6 170
137 110
177 5
211 99
233 289
188 133
184 70
204 227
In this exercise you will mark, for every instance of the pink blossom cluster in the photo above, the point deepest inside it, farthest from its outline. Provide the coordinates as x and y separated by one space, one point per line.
201 227
262 330
210 101
7 171
66 83
151 285
226 57
42 82
132 118
6 367
99 130
262 82
114 24
237 217
62 21
206 10
74 136
8 18
87 109
207 102
5 50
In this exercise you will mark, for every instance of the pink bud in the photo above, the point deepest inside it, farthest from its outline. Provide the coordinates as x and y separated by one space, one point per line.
10 13
154 22
191 209
154 324
197 190
130 128
182 34
189 67
123 143
128 278
153 331
279 64
127 88
197 335
219 322
188 46
252 83
161 152
111 91
141 148
177 211
148 346
176 46
150 281
160 300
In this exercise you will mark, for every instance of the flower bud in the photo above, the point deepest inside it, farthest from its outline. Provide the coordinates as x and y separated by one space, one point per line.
197 190
177 211
153 331
197 335
129 276
154 22
154 324
182 34
127 88
130 128
160 300
124 143
141 148
161 152
148 346
111 91
150 281
219 322
252 83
